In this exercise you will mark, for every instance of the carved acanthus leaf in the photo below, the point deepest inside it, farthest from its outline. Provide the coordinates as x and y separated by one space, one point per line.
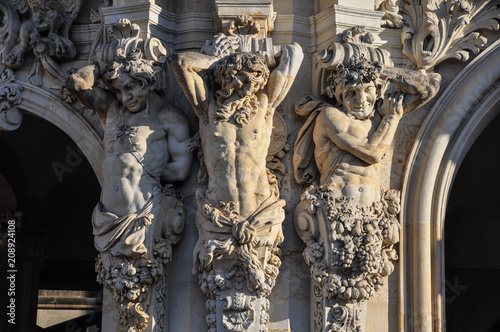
436 30
10 96
390 8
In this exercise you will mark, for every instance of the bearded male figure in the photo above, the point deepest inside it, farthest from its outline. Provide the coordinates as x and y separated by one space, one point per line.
239 211
348 222
139 217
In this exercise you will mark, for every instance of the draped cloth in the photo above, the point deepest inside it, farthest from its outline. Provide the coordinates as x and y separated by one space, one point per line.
125 235
217 229
304 163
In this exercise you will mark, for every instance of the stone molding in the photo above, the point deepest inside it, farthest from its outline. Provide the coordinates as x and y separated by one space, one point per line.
457 118
261 11
180 32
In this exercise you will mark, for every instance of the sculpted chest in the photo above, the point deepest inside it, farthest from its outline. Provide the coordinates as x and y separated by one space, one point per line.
127 131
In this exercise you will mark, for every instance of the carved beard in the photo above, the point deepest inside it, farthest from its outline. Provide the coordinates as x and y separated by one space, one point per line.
243 109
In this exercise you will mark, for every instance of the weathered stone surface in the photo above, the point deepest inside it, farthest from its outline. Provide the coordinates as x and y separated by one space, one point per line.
146 144
239 210
348 222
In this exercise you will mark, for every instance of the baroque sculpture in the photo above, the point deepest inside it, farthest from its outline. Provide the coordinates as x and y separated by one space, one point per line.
140 216
234 86
347 221
45 29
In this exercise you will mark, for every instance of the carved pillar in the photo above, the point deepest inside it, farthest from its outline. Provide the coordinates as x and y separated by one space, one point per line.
243 78
151 18
138 219
348 222
261 11
329 23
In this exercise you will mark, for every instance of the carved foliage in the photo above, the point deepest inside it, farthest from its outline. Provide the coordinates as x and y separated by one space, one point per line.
10 96
358 244
390 8
132 285
436 30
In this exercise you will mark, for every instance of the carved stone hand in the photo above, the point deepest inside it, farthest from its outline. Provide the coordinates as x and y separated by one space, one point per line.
220 46
392 105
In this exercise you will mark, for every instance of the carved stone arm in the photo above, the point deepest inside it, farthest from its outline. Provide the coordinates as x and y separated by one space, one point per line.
281 79
82 84
186 67
418 87
179 165
371 149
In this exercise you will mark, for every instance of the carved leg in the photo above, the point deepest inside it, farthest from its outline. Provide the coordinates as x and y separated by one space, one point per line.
27 33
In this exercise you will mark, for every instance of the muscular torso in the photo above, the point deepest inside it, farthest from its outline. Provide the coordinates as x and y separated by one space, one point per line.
352 176
235 157
135 152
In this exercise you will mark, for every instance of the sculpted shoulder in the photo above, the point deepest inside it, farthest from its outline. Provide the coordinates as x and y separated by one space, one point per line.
171 116
332 118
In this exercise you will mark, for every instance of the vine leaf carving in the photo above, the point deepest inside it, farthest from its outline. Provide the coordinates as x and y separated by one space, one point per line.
436 30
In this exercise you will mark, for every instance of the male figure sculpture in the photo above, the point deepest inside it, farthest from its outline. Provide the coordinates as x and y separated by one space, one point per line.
347 221
239 211
146 146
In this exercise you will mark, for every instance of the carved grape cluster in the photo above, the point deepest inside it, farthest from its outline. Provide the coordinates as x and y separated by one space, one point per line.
360 240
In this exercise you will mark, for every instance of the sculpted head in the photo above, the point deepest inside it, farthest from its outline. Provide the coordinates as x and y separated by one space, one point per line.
357 87
241 73
133 78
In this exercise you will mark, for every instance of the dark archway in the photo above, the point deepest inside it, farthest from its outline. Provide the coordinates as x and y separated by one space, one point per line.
471 238
55 189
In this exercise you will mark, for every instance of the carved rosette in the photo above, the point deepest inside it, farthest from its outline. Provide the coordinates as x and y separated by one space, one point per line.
349 250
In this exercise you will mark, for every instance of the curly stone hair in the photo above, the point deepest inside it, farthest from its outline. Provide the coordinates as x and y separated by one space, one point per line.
358 71
224 71
137 67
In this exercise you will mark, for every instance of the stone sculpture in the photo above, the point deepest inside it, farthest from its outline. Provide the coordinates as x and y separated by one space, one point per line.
54 17
348 222
139 217
234 90
42 26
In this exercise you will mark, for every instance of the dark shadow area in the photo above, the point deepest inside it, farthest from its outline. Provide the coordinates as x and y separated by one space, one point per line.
55 189
472 244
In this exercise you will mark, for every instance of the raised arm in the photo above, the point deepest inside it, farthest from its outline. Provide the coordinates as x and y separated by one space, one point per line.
82 84
370 149
281 79
177 128
418 87
186 67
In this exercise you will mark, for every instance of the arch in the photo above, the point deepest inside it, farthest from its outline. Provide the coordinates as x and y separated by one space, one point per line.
47 106
464 109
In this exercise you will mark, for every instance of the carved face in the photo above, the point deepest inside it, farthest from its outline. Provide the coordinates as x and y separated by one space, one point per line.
241 73
132 92
359 100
